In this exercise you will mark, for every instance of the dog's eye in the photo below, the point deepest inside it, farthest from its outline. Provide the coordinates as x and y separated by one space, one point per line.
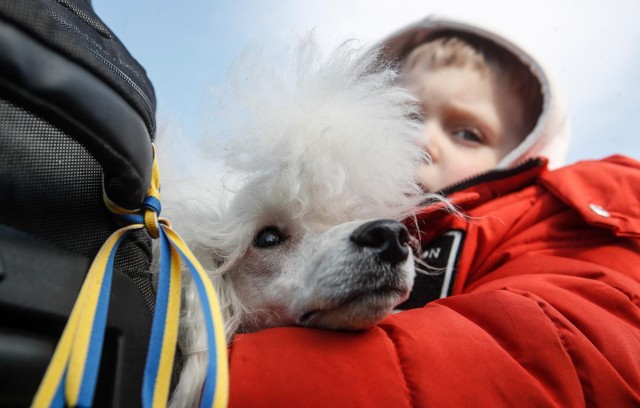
268 237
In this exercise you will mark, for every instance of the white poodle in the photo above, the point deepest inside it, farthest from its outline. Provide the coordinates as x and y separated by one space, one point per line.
324 158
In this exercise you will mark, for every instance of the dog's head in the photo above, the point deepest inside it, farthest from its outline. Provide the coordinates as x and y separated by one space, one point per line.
293 270
326 157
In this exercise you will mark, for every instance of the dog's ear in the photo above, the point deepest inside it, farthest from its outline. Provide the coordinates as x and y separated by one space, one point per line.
208 254
218 261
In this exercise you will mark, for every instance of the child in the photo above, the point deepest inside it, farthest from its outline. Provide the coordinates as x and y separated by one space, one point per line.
540 292
478 104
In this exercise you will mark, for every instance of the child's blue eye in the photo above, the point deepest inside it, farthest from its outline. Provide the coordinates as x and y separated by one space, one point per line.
468 135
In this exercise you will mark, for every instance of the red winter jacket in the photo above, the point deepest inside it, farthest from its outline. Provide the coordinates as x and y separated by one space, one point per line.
545 308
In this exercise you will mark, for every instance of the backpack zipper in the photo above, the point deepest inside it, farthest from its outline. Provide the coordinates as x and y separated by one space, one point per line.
63 19
130 82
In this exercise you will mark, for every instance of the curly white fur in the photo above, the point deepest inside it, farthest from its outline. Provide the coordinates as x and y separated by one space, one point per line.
313 152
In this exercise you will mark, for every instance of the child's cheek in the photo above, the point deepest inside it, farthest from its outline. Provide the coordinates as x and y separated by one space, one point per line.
425 174
457 172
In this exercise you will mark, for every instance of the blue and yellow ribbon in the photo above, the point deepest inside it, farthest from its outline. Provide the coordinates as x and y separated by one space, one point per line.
73 371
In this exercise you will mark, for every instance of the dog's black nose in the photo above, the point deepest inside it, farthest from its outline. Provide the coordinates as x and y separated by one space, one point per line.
386 237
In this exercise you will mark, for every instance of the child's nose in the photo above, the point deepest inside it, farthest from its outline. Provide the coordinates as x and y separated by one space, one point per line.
433 133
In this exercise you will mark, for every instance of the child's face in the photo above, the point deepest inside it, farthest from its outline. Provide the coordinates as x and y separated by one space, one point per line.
470 123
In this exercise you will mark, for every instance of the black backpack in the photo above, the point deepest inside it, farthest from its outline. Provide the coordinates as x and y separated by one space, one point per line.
77 112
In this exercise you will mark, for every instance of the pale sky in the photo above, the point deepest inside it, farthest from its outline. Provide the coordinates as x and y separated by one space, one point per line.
590 47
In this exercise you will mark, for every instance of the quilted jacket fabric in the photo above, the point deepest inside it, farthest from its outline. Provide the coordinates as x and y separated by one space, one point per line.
544 311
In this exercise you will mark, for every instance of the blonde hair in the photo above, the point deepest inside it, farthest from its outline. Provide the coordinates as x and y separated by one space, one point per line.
468 51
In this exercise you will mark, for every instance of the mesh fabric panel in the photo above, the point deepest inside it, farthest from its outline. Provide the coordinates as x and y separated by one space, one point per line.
51 187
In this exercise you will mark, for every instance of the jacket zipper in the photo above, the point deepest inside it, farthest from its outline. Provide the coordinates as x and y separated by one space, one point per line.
491 175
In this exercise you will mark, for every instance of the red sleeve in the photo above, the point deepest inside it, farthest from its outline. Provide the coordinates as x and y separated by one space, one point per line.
303 367
496 348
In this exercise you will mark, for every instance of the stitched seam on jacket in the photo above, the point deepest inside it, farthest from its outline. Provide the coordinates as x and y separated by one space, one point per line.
557 325
410 392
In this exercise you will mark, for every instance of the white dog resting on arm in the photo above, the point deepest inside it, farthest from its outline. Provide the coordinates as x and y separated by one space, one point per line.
310 235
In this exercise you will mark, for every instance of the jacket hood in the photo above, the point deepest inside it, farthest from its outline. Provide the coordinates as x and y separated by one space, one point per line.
551 134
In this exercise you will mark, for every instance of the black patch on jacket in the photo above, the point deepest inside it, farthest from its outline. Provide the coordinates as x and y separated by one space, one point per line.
441 255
